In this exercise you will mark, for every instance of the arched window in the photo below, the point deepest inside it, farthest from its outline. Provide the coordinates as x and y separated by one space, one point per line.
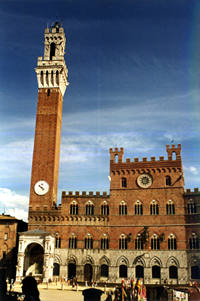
155 271
116 158
139 271
104 242
173 155
48 92
170 209
123 242
104 270
42 77
123 271
191 207
57 242
168 181
155 242
88 242
52 50
139 244
138 208
74 208
104 209
195 272
56 269
124 182
72 242
171 242
173 272
122 208
154 208
194 242
89 209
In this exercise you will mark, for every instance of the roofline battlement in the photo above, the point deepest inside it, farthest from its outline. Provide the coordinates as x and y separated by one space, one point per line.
190 191
174 155
84 194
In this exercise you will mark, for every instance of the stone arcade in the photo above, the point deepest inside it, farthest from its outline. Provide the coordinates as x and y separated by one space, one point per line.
148 226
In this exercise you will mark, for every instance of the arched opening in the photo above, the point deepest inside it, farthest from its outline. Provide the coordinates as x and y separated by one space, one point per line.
71 270
88 272
123 271
104 270
155 271
56 269
173 155
173 272
168 181
139 271
34 259
52 50
116 158
195 272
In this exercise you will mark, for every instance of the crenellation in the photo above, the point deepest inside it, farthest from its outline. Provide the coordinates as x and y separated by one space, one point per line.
190 191
161 158
136 160
144 159
84 194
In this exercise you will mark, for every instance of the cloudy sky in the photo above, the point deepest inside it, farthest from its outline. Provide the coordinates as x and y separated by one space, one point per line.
134 77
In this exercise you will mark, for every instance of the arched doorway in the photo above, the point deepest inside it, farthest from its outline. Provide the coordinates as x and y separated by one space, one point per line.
88 272
71 270
123 271
56 269
139 271
34 259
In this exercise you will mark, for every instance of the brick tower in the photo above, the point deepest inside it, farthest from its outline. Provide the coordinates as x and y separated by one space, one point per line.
52 81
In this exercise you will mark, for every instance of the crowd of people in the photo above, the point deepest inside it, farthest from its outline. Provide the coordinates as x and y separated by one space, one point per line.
133 290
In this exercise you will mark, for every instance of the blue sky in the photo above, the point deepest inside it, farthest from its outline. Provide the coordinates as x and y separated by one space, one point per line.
134 79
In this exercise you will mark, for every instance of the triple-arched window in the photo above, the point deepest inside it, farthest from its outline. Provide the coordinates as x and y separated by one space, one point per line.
104 209
74 208
194 242
123 208
172 242
123 242
155 242
191 207
138 208
72 242
170 208
139 243
104 242
88 241
89 208
154 208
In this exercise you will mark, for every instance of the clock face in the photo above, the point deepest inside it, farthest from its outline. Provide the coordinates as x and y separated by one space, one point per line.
144 181
41 187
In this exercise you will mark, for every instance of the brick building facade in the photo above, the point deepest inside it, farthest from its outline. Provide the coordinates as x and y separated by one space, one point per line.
148 226
9 228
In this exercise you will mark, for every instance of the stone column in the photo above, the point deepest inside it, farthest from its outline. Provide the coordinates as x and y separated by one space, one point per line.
20 267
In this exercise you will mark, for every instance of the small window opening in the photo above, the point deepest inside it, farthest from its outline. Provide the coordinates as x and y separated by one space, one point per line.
48 92
116 158
173 155
168 181
52 50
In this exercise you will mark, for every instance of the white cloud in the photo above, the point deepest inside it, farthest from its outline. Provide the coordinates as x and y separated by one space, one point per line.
191 169
13 203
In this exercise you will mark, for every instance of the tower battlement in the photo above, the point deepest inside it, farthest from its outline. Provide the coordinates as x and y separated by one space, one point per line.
84 194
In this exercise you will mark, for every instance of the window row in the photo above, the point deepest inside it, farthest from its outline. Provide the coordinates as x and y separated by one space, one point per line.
123 209
140 242
123 271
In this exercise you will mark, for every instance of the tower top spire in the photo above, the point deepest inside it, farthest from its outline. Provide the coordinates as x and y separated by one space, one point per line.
51 70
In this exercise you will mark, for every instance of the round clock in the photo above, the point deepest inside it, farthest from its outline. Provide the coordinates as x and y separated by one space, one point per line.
144 181
41 187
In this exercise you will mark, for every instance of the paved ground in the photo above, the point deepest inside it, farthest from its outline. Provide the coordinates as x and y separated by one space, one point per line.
55 293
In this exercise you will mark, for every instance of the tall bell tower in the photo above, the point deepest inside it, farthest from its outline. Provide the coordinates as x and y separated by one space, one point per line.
52 81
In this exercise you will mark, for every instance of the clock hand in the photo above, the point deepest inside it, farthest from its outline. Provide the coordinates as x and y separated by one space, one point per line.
41 187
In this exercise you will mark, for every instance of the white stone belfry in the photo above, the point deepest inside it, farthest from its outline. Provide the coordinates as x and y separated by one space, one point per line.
52 71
